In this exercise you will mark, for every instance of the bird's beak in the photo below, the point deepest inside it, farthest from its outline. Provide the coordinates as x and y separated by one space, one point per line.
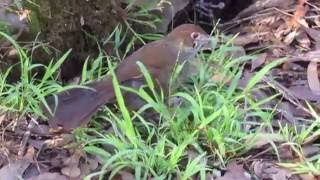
205 42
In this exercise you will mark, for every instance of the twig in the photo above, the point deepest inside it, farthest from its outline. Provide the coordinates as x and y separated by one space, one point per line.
286 93
26 136
314 6
259 14
261 153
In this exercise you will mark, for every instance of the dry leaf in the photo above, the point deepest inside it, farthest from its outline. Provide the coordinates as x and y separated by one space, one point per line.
49 176
289 38
41 130
259 61
285 152
286 111
267 170
235 172
14 171
245 79
124 175
314 34
303 92
281 31
313 78
71 169
310 150
88 166
303 40
268 21
93 163
263 4
243 40
309 56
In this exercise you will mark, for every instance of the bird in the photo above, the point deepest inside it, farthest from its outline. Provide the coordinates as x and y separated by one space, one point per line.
75 107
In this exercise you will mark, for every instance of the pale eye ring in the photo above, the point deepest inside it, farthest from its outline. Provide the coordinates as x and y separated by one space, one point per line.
195 35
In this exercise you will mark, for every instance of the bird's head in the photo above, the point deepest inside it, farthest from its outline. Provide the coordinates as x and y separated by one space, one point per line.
190 36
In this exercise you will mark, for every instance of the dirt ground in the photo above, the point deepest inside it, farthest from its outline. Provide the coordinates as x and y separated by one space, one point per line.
67 23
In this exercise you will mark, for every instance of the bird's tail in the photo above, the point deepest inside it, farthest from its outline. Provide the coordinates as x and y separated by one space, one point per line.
74 107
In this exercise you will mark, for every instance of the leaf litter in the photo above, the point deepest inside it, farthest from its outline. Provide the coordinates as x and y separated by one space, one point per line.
286 29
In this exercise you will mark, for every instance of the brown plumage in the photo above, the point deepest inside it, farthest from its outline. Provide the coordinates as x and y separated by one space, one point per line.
76 106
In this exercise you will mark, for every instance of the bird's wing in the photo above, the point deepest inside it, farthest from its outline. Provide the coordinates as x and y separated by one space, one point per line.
155 55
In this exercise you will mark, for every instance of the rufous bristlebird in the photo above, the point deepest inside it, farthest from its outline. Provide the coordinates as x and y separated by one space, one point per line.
74 107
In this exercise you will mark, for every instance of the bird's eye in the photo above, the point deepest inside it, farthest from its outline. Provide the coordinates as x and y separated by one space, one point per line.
195 35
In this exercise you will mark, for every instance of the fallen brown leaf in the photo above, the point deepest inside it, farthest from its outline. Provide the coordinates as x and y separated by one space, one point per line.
14 170
245 39
49 176
303 40
310 150
71 168
38 144
289 38
41 130
93 163
259 61
268 170
313 78
71 171
286 111
309 56
87 166
235 172
303 93
263 4
281 31
285 152
124 175
314 34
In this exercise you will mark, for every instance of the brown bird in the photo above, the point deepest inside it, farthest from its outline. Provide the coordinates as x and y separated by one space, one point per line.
75 107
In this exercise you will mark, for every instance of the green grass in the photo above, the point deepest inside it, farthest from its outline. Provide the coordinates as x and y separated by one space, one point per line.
209 123
25 96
